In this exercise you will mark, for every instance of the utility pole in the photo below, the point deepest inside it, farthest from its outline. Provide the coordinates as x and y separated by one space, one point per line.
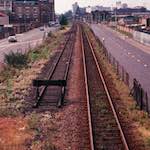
116 14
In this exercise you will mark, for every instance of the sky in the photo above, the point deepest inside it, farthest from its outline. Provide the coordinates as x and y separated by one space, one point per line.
62 6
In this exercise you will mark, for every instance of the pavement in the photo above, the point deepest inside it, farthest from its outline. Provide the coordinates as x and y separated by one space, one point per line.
133 56
25 41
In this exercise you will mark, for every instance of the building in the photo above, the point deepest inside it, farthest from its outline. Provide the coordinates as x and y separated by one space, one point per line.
4 19
101 8
47 11
6 5
25 12
5 28
101 16
128 20
118 4
124 5
33 11
75 6
129 11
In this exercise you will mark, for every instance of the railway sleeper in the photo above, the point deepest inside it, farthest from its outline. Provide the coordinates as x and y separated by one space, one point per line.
46 83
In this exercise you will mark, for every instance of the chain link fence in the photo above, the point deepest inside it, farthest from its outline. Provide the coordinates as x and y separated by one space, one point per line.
137 91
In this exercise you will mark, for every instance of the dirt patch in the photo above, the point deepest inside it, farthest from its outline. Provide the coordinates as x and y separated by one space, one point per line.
14 133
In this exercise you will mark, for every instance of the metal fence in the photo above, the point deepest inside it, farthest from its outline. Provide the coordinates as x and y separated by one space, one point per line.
138 93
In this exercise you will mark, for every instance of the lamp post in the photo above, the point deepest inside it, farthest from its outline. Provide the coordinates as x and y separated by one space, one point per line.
116 14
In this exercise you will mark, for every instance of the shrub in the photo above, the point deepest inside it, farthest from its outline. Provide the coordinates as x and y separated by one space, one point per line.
50 34
16 60
63 20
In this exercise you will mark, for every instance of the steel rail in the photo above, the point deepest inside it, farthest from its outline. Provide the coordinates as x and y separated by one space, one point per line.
87 92
66 73
107 93
52 71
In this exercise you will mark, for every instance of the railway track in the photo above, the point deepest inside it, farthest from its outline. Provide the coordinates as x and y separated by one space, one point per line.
56 71
105 130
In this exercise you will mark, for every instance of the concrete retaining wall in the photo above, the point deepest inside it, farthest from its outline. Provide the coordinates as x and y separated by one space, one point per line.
141 37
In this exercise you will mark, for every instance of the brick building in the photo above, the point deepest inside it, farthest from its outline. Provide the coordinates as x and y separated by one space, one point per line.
33 11
26 11
47 11
6 5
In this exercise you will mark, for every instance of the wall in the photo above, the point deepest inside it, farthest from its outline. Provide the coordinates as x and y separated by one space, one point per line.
4 20
141 37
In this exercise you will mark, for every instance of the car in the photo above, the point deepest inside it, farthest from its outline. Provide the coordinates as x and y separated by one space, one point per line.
41 28
12 38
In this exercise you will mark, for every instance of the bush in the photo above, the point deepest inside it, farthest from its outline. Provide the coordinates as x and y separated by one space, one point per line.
63 20
16 60
50 34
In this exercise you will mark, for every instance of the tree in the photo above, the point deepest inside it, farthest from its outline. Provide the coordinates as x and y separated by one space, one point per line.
63 20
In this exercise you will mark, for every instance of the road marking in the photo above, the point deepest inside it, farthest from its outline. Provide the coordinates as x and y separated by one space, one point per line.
129 53
145 65
133 56
138 60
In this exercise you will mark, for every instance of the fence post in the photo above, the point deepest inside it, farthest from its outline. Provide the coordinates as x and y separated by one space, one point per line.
122 74
127 79
147 103
135 83
114 62
141 96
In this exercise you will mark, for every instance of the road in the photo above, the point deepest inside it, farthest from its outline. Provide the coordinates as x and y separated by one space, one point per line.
25 41
133 58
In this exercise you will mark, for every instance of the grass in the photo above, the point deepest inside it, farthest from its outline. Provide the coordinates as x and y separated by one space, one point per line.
6 111
48 145
125 33
34 122
38 54
148 141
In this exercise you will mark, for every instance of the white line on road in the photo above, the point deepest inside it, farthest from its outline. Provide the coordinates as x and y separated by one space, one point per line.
138 60
133 56
145 65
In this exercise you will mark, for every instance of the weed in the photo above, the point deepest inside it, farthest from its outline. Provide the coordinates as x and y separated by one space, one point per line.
9 88
125 33
34 122
148 141
39 54
16 60
48 146
8 73
6 111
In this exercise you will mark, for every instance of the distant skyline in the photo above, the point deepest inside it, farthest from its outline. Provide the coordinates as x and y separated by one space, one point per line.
62 6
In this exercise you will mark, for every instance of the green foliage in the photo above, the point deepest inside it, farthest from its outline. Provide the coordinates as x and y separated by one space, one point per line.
63 20
16 60
42 53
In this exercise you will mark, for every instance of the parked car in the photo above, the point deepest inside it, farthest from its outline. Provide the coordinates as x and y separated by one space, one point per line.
41 28
12 38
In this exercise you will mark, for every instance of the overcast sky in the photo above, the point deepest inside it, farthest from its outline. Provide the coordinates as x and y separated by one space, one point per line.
64 5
